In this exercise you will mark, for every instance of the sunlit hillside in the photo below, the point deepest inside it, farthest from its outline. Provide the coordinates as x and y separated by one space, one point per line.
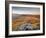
33 19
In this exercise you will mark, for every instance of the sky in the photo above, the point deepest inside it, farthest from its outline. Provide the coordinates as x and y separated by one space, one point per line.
25 10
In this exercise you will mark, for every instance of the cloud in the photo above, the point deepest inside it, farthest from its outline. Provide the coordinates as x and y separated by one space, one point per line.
26 10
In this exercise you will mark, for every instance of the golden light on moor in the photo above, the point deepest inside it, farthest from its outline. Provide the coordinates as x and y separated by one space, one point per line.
33 19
